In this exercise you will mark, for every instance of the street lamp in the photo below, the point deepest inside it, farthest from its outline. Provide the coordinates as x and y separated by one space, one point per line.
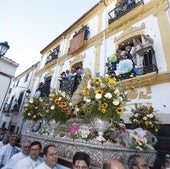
3 48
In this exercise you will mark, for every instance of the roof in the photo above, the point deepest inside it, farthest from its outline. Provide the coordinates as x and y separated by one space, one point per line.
62 34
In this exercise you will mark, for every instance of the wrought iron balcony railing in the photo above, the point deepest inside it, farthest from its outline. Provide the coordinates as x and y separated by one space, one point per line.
123 8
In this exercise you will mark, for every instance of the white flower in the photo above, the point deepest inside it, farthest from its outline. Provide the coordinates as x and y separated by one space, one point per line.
135 120
98 96
151 116
31 101
40 99
117 92
29 114
136 115
145 118
120 99
84 133
51 95
47 111
108 95
34 116
52 107
70 104
115 102
87 99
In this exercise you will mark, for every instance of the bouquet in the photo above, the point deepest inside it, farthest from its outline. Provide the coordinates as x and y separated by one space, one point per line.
56 107
103 98
33 110
144 116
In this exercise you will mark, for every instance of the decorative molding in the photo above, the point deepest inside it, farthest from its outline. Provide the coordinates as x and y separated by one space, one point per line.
129 32
143 95
98 152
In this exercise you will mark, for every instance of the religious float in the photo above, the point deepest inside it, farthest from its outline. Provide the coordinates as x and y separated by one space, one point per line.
90 120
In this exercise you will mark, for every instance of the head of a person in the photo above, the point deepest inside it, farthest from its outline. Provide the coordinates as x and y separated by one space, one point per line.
113 164
81 160
137 162
26 147
35 149
5 139
2 131
13 140
50 155
161 163
167 156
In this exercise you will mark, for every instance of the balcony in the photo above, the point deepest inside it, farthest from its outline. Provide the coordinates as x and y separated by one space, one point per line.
149 65
123 8
53 55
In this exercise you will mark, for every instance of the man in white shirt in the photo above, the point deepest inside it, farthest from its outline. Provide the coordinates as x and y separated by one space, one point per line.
19 156
33 160
50 155
4 141
9 150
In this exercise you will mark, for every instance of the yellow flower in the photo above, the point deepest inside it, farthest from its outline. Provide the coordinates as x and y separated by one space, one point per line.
120 110
99 91
56 101
104 106
103 110
110 81
86 91
147 123
97 80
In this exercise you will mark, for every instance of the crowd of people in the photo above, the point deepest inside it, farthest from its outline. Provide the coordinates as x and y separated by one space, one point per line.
31 156
128 59
69 80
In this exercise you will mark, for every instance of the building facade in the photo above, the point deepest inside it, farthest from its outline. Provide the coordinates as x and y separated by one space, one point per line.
111 27
7 72
21 89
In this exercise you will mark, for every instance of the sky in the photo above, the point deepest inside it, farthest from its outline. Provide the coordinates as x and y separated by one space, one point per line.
30 25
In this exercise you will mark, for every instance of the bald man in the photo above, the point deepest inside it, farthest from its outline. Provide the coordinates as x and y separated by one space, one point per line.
113 164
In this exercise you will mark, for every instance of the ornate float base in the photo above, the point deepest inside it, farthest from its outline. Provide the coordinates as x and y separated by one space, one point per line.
98 152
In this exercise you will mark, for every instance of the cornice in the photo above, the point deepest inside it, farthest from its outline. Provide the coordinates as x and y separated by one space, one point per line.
146 80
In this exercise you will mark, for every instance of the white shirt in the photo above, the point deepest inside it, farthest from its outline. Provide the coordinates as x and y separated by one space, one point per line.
5 153
14 159
1 144
28 163
44 166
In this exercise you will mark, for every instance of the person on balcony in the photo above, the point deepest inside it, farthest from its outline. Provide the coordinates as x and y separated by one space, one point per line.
137 59
130 4
148 42
118 11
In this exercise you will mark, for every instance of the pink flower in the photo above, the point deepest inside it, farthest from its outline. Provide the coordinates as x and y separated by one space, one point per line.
73 129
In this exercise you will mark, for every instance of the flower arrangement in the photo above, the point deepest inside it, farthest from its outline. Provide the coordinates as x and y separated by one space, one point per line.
102 98
138 142
43 131
84 132
56 107
144 116
32 110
